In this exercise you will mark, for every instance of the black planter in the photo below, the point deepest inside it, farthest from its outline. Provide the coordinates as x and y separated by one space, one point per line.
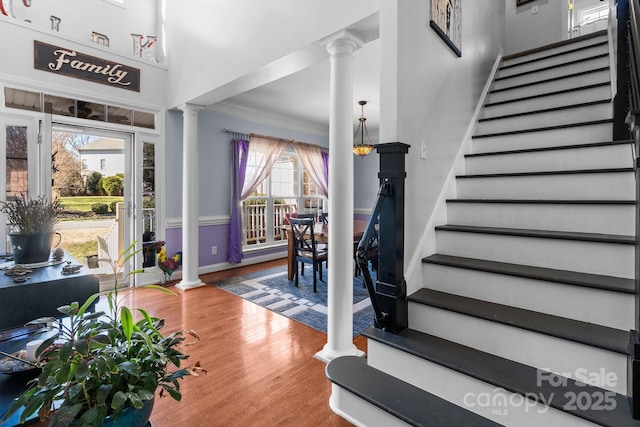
31 248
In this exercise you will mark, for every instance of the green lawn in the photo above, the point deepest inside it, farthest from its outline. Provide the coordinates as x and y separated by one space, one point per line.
84 203
80 250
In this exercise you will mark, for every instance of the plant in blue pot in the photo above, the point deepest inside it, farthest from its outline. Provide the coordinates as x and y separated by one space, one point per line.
104 368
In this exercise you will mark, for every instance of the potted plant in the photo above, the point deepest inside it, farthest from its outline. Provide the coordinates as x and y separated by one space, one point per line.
33 222
102 368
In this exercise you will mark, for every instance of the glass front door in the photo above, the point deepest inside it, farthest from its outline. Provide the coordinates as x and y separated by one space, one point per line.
91 176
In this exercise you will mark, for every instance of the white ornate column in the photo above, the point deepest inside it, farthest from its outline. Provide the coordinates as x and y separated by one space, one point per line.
340 282
190 277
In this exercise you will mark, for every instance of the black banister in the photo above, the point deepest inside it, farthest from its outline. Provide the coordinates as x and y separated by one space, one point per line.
361 254
389 295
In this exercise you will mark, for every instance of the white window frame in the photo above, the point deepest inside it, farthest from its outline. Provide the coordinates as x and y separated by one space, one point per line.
298 196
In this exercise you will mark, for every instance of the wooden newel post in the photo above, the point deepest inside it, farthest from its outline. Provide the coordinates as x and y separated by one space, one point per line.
391 289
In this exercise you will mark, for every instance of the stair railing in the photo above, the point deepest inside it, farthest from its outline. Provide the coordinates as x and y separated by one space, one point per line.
389 295
633 121
362 258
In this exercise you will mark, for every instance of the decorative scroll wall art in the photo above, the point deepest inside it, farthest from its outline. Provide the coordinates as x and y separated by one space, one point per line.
446 21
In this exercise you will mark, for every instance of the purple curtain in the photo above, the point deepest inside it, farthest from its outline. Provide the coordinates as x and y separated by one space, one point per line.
240 153
325 160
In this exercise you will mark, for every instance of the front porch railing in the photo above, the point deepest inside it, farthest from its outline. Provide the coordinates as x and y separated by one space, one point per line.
256 224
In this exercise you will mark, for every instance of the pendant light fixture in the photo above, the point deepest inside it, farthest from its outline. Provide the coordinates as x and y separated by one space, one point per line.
363 147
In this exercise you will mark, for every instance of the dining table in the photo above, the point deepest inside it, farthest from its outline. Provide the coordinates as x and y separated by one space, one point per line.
321 233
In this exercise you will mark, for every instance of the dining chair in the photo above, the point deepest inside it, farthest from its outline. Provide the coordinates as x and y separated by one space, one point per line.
306 216
306 249
325 217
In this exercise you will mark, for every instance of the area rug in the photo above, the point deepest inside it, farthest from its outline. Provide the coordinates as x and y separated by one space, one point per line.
270 289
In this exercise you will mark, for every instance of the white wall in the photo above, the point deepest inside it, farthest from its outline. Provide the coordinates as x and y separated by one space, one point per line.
18 70
79 18
436 95
213 43
525 30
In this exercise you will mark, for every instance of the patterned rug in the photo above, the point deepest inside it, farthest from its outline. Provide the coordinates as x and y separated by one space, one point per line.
270 289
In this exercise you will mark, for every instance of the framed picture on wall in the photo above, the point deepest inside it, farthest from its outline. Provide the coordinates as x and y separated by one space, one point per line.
446 21
521 2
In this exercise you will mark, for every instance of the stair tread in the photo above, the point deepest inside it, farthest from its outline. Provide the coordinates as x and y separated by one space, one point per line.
573 330
537 173
554 55
546 110
542 95
596 281
551 67
544 234
403 400
544 128
551 79
546 201
551 148
506 374
553 45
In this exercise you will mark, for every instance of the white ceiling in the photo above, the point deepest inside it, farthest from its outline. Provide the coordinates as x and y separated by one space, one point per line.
301 100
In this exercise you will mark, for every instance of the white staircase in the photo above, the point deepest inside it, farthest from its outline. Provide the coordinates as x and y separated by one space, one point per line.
531 291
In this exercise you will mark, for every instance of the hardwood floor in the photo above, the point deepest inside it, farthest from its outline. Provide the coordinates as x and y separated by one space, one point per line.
261 370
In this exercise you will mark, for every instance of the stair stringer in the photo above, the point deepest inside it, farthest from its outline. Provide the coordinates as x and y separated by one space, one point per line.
438 216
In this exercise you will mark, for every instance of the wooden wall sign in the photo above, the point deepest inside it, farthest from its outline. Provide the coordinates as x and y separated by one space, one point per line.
72 63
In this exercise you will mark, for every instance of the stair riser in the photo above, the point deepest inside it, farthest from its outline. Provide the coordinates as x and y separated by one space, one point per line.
552 73
360 412
506 71
548 138
550 118
551 101
599 157
582 186
608 259
498 405
552 51
596 77
586 218
612 309
538 350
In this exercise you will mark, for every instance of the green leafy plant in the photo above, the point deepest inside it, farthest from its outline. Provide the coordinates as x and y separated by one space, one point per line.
27 215
99 364
100 208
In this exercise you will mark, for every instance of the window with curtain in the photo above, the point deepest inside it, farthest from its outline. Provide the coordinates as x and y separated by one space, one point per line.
287 189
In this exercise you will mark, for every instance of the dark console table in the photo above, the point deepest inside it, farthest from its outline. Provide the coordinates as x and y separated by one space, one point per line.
45 290
40 296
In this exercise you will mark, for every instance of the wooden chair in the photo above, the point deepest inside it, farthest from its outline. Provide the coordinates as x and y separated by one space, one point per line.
325 217
306 250
306 216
